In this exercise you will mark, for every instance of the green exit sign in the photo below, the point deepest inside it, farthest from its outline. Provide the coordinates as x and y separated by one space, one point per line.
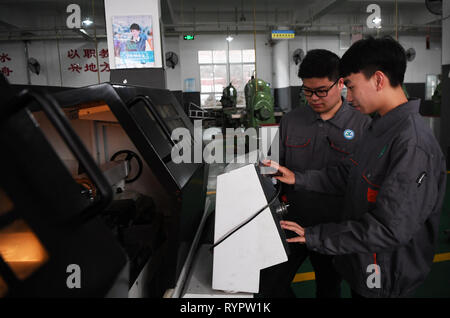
189 37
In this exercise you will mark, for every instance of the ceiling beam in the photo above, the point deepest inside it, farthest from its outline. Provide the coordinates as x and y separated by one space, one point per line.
318 10
167 12
12 28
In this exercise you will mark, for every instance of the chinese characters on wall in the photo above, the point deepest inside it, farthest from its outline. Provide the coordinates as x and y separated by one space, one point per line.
76 56
90 65
4 66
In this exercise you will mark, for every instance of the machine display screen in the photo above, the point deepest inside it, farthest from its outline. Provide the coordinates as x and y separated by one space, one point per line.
167 111
170 116
157 125
174 123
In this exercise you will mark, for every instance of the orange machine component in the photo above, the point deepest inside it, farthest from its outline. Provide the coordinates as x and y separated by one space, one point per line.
21 249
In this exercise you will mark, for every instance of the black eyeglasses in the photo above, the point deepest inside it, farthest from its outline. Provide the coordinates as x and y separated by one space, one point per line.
319 92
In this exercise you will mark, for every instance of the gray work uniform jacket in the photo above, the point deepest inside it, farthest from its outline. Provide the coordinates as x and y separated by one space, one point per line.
394 189
308 142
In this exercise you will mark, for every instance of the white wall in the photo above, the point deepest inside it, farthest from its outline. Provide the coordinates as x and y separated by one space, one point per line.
173 76
12 62
280 64
425 62
55 71
307 43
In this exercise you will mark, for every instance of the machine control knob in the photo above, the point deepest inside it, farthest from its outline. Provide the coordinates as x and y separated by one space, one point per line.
282 209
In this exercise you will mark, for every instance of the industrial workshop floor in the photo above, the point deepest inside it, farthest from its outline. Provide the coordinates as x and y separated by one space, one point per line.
437 284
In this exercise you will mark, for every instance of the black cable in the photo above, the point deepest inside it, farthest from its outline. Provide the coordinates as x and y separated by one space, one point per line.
272 200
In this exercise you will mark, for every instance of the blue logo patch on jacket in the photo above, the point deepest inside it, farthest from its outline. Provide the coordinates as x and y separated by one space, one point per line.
349 134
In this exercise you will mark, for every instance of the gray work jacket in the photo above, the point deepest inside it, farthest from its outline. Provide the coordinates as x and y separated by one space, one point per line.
308 142
394 189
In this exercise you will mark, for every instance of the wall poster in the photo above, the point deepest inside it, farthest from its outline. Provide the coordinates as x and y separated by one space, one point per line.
133 41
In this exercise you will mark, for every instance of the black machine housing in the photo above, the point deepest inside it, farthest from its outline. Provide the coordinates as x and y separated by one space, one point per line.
72 227
39 192
148 116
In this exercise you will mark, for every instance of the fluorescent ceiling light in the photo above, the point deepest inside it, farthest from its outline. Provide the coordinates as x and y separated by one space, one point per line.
87 22
376 20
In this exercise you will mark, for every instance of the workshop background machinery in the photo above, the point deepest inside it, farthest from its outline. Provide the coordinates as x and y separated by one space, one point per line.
259 104
231 114
229 96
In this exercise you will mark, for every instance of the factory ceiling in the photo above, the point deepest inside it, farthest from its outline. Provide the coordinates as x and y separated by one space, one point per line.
46 19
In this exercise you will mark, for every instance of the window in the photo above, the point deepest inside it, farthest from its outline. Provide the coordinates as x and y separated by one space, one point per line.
217 70
431 83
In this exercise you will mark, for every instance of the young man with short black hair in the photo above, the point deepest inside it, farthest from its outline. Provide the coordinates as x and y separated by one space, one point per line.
137 41
393 190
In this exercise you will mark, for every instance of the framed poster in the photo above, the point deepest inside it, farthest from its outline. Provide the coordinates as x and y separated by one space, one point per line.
138 18
133 41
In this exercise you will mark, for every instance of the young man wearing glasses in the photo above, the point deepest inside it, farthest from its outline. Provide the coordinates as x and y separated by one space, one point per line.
394 190
314 137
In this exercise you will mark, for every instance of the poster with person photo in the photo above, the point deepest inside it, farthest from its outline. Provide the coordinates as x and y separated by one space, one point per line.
133 41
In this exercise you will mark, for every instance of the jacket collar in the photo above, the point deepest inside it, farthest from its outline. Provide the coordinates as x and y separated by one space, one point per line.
381 124
339 119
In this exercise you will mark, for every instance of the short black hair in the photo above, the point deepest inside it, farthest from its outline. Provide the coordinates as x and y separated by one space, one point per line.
320 63
370 55
135 26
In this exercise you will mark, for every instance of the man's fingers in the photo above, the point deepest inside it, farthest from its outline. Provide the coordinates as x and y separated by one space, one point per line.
295 228
282 179
289 223
287 175
283 170
291 226
297 239
271 163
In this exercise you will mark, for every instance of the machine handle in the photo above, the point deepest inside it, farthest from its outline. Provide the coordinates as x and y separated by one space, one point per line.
130 155
73 141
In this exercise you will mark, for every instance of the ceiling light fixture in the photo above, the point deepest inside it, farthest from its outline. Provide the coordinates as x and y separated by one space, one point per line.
376 20
87 22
